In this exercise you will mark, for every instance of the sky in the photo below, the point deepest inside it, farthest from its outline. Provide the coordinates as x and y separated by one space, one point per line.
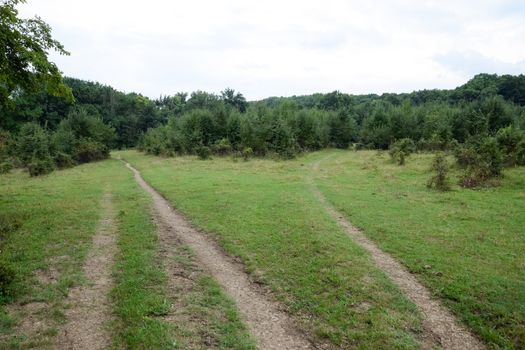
285 47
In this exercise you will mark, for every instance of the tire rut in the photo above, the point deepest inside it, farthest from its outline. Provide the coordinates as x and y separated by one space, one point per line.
441 328
89 309
271 327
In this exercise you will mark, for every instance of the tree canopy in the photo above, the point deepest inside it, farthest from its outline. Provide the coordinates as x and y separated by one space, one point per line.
24 50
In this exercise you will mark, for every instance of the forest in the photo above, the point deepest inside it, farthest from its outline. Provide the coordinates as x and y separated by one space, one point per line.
44 132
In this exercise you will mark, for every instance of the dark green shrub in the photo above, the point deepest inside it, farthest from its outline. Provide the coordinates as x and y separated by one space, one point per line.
6 166
520 153
401 149
40 166
247 153
491 156
222 147
511 141
6 145
440 168
465 156
88 150
282 141
342 129
64 141
203 152
475 176
358 146
482 160
63 160
32 144
83 125
155 141
422 145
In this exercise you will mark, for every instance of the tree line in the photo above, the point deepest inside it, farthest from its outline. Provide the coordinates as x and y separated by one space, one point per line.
48 121
203 123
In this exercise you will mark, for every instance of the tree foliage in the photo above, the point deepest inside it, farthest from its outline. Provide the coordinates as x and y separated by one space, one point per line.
440 169
401 149
24 48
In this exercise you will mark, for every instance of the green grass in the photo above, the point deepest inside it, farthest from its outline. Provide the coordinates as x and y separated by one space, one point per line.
264 212
47 224
140 297
54 235
474 240
146 317
465 245
206 317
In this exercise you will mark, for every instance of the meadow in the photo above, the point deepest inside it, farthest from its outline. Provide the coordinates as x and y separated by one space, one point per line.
205 220
55 219
464 245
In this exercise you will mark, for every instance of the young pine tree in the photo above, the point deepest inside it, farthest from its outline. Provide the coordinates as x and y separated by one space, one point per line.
439 168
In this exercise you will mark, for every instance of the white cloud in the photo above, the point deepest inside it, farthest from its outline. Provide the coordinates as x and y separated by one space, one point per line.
264 48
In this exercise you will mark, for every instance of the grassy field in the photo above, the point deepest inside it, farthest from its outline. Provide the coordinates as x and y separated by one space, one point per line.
466 245
264 212
47 249
51 221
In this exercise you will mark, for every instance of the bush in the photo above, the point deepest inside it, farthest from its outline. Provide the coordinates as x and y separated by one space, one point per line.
465 156
63 160
32 143
440 167
40 166
64 141
511 141
490 156
282 141
475 176
155 141
401 149
88 150
247 153
203 152
482 160
222 147
83 125
6 145
6 166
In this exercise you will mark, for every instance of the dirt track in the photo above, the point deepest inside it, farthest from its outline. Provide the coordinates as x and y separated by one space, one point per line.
440 326
271 327
89 309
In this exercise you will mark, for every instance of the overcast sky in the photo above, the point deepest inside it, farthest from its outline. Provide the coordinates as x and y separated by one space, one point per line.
283 48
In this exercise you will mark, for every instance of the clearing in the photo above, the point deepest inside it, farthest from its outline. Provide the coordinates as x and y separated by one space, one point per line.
262 251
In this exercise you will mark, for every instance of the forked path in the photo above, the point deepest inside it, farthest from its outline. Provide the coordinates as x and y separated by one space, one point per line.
439 324
89 309
271 327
